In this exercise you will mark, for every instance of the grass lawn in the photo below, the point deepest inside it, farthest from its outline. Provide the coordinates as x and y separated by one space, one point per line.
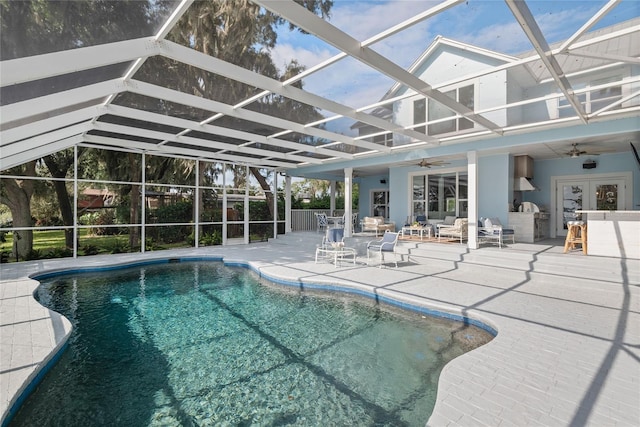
53 240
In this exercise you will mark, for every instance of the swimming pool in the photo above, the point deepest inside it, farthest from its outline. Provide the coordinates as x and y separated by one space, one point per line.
198 343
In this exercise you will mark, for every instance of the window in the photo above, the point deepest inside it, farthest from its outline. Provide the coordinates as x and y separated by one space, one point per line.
420 114
464 95
439 195
380 203
592 100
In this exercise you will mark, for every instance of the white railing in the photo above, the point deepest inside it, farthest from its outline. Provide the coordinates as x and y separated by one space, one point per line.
305 219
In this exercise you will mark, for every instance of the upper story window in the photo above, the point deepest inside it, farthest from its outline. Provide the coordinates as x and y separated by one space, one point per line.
593 100
465 95
420 114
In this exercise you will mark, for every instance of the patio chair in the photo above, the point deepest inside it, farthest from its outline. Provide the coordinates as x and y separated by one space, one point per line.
385 245
377 224
322 221
458 230
491 230
332 235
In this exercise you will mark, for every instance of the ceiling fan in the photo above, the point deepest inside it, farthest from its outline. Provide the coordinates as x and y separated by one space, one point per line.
576 152
424 163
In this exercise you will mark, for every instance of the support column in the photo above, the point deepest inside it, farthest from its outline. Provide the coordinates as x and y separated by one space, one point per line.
287 204
246 221
472 197
224 204
348 180
332 194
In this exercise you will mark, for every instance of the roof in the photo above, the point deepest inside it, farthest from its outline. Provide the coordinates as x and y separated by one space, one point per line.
116 93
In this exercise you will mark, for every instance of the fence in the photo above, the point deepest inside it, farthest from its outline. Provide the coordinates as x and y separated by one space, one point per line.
305 219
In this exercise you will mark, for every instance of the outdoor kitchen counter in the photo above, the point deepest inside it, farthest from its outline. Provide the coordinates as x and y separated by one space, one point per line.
613 233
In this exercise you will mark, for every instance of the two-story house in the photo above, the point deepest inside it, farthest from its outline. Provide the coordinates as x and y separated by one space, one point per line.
541 124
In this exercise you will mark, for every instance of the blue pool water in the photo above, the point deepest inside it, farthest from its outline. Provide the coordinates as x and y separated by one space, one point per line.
198 343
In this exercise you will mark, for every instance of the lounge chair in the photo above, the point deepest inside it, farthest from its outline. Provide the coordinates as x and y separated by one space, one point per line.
491 230
377 224
385 245
332 236
457 230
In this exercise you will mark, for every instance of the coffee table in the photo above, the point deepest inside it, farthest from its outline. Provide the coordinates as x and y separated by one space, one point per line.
338 254
417 230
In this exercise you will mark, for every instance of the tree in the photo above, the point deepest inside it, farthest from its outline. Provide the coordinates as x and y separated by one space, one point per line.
59 164
41 26
242 33
16 194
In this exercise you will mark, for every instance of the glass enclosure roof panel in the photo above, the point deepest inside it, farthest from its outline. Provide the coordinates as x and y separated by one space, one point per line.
185 78
313 155
345 148
161 106
26 31
353 83
271 147
141 124
217 138
53 113
36 88
246 126
124 136
305 139
218 26
203 148
285 108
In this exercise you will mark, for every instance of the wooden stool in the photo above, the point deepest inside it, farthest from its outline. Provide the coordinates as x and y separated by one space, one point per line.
576 234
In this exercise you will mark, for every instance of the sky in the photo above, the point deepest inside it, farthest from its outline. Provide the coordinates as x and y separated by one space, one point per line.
484 23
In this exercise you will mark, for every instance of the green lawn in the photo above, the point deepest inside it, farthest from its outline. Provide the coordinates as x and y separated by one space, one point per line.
53 240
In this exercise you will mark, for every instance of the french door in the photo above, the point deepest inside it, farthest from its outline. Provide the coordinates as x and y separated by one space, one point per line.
586 194
380 203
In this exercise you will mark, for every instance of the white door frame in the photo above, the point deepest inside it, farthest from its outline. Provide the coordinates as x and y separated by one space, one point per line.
626 193
372 203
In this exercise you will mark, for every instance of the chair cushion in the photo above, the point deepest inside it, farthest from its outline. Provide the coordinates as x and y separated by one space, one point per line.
449 220
335 234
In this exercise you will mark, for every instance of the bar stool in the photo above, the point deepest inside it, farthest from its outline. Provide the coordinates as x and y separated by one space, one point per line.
576 234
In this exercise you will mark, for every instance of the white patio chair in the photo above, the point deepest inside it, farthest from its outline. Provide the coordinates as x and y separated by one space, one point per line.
322 221
385 245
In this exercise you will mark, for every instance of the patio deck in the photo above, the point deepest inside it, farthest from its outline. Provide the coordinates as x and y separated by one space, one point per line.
567 350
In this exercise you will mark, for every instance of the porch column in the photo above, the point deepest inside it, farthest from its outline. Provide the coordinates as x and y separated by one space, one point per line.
472 197
332 193
348 179
287 204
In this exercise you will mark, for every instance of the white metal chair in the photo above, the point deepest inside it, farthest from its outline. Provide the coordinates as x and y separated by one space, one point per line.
492 230
322 220
333 235
385 245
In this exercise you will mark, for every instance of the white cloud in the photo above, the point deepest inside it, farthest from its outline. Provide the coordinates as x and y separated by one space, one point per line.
282 54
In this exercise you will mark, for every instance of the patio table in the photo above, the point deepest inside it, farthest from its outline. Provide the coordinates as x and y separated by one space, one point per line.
338 254
418 230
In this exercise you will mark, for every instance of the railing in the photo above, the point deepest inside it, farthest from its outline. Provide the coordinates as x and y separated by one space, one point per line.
305 219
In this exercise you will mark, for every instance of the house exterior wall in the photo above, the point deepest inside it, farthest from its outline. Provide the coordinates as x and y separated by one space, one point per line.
366 186
494 186
448 63
543 170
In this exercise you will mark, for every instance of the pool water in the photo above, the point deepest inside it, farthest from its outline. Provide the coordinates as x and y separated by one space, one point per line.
198 343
